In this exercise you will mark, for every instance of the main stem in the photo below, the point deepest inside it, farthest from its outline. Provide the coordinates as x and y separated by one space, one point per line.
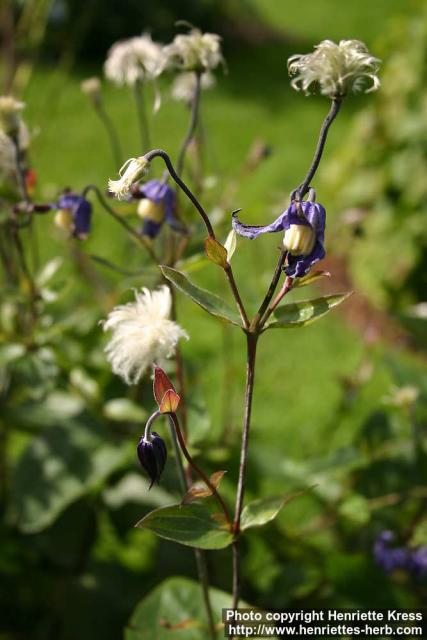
144 130
251 342
202 569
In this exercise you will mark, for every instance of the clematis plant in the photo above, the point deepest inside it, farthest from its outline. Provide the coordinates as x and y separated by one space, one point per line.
337 70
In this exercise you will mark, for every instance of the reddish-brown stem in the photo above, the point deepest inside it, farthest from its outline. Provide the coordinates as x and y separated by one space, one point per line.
174 419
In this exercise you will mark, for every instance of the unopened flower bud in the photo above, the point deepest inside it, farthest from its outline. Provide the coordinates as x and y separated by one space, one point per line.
152 455
10 115
147 209
299 240
91 87
64 220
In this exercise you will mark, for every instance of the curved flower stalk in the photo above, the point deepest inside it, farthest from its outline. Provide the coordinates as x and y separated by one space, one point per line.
142 333
304 226
336 69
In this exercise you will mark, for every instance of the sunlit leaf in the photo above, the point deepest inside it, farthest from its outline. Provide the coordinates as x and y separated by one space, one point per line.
205 299
193 525
216 252
259 512
300 314
175 611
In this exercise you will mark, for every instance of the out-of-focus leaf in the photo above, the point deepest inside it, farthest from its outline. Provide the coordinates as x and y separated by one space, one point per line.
259 512
175 611
205 299
10 352
193 525
300 314
55 408
83 382
133 488
48 270
201 490
117 269
356 509
57 468
124 410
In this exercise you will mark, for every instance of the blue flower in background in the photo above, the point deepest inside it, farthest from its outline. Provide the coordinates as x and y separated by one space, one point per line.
394 558
74 214
304 225
157 206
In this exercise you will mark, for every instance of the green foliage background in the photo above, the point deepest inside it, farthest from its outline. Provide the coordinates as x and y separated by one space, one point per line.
71 561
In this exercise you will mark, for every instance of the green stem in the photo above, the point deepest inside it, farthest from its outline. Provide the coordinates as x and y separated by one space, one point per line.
195 104
111 133
144 130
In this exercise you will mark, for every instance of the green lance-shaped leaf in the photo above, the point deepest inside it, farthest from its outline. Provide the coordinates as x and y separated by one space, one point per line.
259 512
192 524
205 299
300 314
175 610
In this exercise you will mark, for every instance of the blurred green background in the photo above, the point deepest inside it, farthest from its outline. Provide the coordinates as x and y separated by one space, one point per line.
327 411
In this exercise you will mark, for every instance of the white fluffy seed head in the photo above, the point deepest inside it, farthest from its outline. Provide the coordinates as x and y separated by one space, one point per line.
335 69
142 334
195 51
134 60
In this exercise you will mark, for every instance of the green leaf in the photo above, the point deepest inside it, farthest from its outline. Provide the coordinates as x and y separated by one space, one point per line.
310 278
59 467
300 314
216 252
175 611
193 525
259 512
205 299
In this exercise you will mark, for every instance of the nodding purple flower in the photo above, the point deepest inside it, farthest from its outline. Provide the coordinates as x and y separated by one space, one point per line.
152 455
304 225
157 206
392 558
74 214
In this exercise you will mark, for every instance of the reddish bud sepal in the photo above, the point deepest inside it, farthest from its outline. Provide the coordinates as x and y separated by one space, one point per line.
170 402
161 384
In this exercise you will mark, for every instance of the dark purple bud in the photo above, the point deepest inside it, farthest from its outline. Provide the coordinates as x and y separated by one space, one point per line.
152 455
